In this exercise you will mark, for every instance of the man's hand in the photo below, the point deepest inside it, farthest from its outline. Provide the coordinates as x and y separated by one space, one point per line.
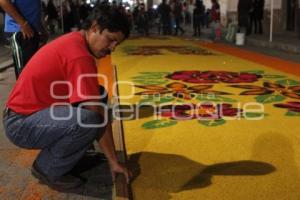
27 31
119 168
11 10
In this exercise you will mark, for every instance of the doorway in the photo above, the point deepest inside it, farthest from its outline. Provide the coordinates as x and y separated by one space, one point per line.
291 15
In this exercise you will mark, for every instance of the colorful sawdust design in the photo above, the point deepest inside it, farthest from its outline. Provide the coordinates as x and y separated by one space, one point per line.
152 37
192 158
150 78
214 77
179 90
184 87
293 108
273 92
157 50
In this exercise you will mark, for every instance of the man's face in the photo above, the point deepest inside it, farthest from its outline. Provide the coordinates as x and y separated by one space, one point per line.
103 43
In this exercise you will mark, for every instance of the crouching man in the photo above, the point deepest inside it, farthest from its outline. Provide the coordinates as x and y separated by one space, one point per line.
54 105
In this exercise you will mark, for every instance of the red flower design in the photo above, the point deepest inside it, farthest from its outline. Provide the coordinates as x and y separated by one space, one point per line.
179 90
202 111
291 106
214 77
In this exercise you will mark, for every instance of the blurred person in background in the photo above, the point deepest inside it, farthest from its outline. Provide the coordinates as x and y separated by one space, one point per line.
198 15
258 11
164 11
25 27
215 14
52 16
143 20
245 7
178 17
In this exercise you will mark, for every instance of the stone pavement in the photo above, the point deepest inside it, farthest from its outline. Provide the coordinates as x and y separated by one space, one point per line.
285 46
5 57
286 42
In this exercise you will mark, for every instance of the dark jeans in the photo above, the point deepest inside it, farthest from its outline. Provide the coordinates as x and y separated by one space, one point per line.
62 142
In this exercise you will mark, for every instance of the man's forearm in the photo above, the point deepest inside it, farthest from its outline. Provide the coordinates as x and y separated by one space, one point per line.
107 145
11 10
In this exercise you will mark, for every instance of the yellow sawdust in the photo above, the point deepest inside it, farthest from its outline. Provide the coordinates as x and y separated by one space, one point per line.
242 159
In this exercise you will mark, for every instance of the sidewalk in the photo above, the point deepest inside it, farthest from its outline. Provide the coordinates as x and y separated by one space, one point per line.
285 46
5 57
287 42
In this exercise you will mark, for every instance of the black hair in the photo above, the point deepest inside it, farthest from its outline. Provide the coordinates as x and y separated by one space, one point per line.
108 18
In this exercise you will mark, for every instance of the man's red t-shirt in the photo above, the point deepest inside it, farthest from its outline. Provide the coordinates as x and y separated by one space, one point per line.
54 75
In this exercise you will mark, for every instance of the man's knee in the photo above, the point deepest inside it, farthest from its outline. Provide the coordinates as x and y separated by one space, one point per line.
89 117
93 122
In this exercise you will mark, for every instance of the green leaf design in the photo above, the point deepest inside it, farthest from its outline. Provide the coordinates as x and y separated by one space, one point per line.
159 124
258 72
215 98
292 114
166 100
179 101
254 115
273 76
146 77
151 82
269 98
212 123
151 78
288 82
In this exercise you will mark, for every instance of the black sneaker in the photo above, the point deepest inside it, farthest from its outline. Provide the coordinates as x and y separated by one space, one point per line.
62 183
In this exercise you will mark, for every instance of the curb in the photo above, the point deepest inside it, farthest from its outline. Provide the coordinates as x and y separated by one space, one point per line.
288 48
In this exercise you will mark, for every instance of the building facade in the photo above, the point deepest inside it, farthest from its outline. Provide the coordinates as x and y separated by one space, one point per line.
286 15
